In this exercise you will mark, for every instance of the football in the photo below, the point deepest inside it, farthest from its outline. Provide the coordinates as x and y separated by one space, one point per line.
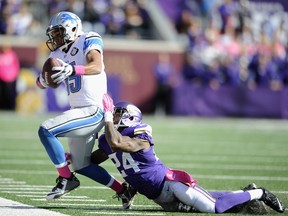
47 71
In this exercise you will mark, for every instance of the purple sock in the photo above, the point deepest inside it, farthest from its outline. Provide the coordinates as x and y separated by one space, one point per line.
229 200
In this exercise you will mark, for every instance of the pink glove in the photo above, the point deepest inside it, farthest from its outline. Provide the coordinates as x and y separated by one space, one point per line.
108 103
108 108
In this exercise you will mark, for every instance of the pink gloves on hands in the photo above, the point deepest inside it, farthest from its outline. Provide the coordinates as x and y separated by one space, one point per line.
108 107
108 103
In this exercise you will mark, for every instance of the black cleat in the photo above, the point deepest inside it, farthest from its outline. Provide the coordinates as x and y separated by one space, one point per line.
272 201
127 196
250 186
63 186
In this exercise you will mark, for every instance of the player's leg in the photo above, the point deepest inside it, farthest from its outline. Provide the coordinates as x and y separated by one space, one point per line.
66 180
196 197
166 199
268 198
80 150
75 122
234 198
188 199
205 202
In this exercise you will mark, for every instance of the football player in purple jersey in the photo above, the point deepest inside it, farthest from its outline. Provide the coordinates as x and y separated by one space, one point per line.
127 141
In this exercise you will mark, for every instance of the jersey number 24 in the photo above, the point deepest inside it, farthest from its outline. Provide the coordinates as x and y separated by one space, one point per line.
127 163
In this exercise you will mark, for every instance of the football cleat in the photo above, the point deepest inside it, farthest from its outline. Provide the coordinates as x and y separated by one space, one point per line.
272 201
127 195
250 186
63 186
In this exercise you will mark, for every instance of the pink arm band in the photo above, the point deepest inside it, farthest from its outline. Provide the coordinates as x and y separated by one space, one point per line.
79 69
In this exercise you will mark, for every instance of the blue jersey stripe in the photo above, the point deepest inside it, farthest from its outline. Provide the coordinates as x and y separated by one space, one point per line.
78 123
93 40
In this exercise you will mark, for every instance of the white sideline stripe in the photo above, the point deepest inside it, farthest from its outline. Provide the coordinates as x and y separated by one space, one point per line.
44 187
26 186
26 192
125 213
12 208
28 172
26 162
103 205
231 167
70 200
258 178
7 179
29 195
12 183
22 189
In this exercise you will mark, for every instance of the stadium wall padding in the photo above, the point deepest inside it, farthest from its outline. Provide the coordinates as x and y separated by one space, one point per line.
229 101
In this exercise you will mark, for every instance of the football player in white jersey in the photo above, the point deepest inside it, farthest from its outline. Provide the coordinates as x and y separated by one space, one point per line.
83 72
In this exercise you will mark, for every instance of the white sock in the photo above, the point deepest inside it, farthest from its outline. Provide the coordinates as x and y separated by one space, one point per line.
255 194
238 191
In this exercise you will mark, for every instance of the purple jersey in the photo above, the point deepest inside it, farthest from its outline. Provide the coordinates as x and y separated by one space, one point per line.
143 170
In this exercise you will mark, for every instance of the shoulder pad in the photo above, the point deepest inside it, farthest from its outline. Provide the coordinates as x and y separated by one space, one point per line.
143 128
91 34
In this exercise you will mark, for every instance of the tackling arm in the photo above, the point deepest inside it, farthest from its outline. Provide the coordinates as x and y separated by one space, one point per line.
117 142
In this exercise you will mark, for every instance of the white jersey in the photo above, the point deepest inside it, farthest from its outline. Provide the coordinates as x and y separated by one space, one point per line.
84 90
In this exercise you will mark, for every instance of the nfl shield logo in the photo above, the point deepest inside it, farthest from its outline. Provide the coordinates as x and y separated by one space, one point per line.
74 51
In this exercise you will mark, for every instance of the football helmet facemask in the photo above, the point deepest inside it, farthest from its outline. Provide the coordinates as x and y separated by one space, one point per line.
64 27
130 115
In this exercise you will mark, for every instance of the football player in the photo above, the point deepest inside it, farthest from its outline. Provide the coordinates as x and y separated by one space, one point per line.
128 143
83 72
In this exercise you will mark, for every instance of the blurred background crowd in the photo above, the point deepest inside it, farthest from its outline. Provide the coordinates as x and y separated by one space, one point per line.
226 42
110 17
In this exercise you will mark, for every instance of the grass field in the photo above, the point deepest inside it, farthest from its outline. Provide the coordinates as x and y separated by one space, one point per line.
223 154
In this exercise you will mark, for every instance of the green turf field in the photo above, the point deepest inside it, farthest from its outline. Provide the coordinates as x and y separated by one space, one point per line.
223 154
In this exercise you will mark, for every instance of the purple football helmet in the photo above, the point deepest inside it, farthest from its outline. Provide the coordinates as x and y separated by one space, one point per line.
130 114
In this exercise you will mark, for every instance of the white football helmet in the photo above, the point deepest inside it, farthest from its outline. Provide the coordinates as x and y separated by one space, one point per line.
63 28
130 114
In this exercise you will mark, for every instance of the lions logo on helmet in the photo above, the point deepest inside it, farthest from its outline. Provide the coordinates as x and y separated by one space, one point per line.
130 114
64 27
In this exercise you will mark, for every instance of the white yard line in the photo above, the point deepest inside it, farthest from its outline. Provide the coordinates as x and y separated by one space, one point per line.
12 208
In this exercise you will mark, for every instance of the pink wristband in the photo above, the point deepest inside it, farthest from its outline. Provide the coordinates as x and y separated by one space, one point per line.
79 69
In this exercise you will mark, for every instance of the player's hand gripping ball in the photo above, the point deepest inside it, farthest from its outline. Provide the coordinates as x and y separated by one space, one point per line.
47 71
